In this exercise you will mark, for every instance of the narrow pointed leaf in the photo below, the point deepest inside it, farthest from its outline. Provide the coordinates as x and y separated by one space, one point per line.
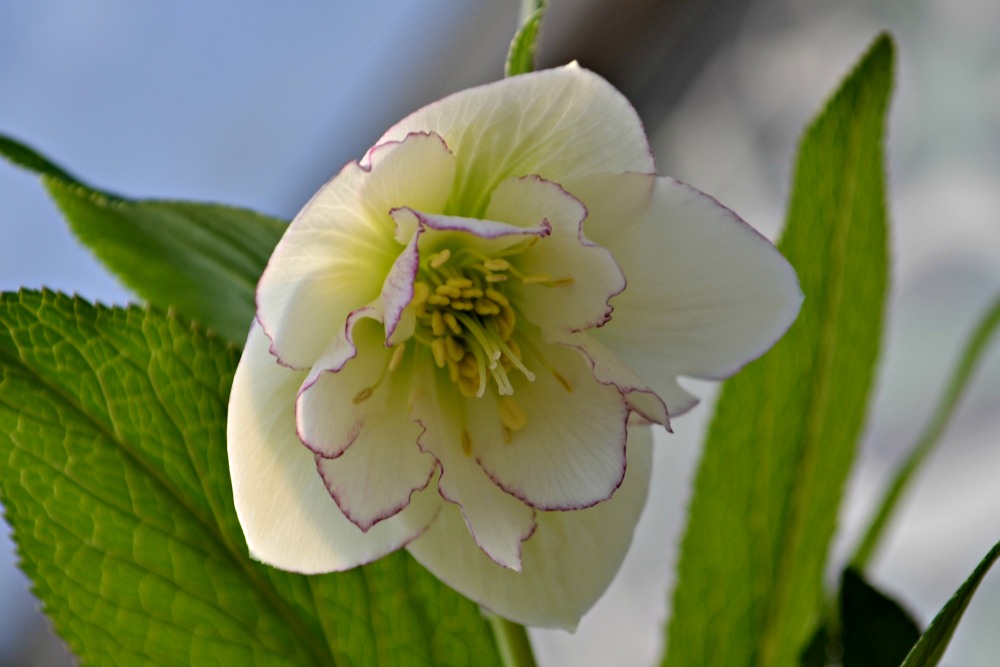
524 46
113 473
750 578
932 644
205 259
961 377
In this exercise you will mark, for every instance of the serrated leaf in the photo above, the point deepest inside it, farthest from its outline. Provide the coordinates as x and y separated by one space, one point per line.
750 578
875 630
933 643
524 46
113 472
204 259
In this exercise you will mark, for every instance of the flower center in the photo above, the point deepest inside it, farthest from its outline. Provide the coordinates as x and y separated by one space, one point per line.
465 318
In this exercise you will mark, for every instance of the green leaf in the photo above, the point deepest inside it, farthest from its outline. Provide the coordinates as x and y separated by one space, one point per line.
875 630
524 46
205 259
978 343
114 475
750 577
932 644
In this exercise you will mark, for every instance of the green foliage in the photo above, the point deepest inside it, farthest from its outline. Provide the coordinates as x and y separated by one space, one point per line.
750 579
524 46
114 475
968 362
205 259
875 630
932 645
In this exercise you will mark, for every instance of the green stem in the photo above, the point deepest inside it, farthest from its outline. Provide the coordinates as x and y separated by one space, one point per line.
512 640
956 387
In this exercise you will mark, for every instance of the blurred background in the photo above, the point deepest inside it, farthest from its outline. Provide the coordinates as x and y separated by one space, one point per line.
257 105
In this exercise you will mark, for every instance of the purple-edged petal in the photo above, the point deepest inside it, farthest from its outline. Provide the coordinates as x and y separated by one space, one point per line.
287 515
336 252
706 293
609 369
558 123
498 522
570 452
582 275
567 564
329 406
376 476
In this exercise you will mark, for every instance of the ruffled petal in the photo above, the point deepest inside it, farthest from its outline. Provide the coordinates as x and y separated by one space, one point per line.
287 515
498 522
558 123
581 276
570 451
567 564
706 292
609 369
338 249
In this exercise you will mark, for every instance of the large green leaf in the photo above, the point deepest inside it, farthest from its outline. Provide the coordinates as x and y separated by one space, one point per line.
932 644
205 259
113 472
750 578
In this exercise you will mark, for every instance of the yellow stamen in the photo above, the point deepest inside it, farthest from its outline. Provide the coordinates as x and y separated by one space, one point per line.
466 443
563 381
454 349
496 264
535 280
438 260
495 277
440 355
437 323
452 322
496 296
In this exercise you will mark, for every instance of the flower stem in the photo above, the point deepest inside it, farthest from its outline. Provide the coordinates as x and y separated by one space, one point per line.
956 387
512 640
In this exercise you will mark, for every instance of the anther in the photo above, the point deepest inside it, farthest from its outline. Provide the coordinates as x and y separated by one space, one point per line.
437 323
454 348
452 322
363 395
440 354
495 277
496 264
440 258
421 291
494 295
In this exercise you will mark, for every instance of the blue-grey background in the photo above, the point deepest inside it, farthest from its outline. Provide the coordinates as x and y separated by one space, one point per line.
257 104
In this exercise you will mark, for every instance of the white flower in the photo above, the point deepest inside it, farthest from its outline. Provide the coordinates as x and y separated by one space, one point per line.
453 334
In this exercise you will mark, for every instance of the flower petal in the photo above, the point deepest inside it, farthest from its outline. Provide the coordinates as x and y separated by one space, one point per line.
608 369
498 522
570 452
338 249
557 123
567 564
583 276
706 294
287 515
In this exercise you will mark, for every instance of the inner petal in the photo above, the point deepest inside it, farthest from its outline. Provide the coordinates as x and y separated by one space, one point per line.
566 280
568 450
498 522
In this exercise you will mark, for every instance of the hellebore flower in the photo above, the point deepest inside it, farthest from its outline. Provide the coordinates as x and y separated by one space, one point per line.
458 336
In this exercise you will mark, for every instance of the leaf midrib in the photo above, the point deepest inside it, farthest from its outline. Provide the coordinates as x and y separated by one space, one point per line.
817 402
264 587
